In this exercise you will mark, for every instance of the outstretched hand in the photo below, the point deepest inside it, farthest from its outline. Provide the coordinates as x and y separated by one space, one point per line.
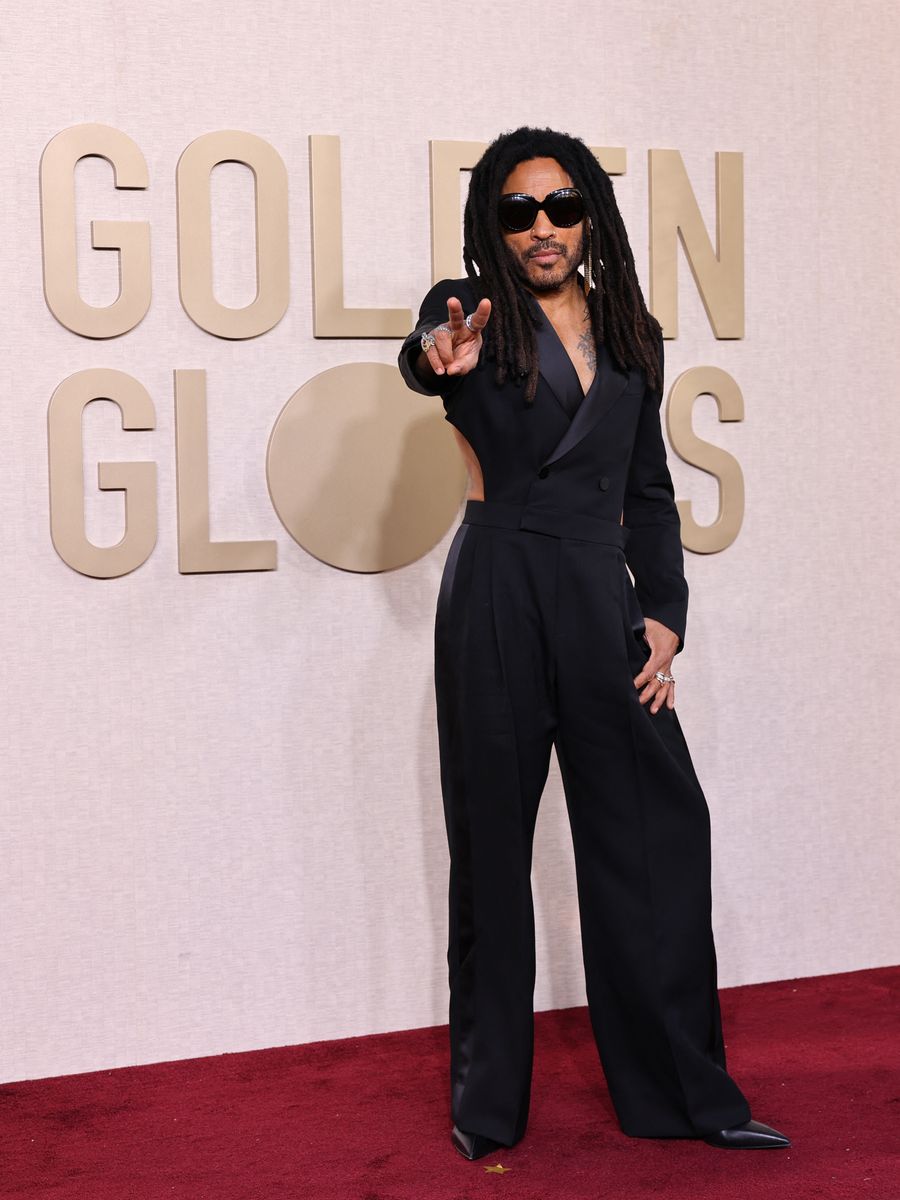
457 345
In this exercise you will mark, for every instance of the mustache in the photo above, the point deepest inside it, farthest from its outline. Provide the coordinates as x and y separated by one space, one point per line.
542 247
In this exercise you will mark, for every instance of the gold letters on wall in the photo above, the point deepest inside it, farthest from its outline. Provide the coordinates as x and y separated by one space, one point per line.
136 479
195 276
331 318
130 238
713 381
406 529
719 273
196 553
447 160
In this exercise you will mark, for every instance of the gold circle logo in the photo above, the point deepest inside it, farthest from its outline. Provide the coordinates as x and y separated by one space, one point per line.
363 473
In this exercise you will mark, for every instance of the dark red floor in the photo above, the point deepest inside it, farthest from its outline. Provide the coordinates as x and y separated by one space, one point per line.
368 1119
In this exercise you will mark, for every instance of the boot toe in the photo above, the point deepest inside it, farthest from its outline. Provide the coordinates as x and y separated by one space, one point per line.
751 1135
473 1145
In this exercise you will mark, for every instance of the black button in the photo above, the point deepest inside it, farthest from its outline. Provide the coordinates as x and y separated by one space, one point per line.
543 472
603 485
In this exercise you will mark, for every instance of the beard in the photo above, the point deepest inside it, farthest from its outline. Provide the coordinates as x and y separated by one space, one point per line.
547 278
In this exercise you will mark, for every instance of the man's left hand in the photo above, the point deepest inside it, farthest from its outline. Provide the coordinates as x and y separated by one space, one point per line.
663 643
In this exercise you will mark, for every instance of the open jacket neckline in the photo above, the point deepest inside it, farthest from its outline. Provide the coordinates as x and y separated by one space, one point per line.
558 372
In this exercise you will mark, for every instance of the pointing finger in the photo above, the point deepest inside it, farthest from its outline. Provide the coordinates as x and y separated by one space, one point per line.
455 311
479 317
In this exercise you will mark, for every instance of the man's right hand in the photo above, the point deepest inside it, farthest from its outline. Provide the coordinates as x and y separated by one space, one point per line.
456 348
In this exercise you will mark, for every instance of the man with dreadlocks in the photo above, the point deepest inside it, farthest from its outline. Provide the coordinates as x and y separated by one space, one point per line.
553 387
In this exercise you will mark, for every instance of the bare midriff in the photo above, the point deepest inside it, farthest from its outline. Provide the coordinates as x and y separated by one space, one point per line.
473 466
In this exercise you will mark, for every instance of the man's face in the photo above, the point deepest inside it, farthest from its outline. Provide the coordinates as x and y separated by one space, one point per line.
543 257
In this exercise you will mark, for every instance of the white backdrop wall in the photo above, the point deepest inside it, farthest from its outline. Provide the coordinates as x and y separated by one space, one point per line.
221 809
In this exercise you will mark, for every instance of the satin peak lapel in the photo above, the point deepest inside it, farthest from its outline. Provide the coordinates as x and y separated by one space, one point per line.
609 384
556 368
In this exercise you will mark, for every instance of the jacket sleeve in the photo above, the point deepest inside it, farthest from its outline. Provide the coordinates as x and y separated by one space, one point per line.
653 550
433 312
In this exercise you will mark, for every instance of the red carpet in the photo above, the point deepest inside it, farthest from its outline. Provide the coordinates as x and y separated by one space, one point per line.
368 1118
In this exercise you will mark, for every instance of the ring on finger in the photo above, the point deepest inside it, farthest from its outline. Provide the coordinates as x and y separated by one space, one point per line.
663 677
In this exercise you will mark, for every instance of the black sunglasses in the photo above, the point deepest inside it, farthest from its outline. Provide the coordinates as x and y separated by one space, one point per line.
518 211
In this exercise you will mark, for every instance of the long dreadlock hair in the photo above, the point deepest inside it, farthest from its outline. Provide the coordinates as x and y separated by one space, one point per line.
619 316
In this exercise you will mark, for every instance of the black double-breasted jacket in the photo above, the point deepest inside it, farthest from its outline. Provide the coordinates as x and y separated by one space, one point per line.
607 462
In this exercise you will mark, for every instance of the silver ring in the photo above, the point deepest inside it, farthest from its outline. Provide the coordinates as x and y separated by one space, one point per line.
664 678
428 339
469 322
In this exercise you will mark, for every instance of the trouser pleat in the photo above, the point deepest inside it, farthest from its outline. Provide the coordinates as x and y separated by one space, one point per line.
495 741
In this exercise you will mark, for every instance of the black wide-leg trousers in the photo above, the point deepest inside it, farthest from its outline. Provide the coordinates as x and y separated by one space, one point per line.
535 645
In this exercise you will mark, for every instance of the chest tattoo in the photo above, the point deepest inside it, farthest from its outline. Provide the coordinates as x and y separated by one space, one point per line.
587 348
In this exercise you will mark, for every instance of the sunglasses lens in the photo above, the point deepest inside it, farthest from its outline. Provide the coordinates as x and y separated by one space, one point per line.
566 210
517 213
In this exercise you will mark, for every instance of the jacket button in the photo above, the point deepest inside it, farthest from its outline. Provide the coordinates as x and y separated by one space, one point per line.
543 472
603 484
